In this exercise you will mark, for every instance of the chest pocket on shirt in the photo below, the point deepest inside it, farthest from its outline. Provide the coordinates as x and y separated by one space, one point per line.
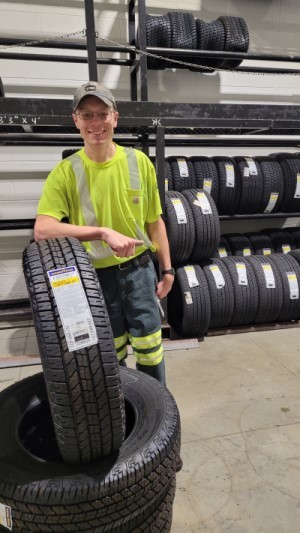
134 199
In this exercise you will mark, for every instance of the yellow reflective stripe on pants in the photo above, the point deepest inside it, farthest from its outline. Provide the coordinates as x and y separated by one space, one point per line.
148 350
121 346
144 343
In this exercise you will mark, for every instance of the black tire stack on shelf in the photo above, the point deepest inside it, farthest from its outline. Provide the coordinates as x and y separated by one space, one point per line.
249 278
181 30
85 445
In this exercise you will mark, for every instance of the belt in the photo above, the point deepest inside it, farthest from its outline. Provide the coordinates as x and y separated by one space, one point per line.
140 260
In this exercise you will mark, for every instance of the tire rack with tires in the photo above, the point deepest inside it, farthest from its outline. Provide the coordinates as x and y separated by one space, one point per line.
83 386
119 494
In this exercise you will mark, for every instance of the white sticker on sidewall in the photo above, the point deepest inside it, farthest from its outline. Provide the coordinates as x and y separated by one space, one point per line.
269 276
222 252
293 284
252 166
183 168
5 516
179 210
242 273
218 276
297 190
203 202
207 185
286 248
230 176
266 251
272 202
188 297
246 252
191 276
73 308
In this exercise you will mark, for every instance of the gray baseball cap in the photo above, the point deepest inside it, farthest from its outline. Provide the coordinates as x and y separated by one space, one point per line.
93 88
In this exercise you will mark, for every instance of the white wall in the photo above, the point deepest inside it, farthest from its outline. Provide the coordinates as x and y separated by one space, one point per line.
273 27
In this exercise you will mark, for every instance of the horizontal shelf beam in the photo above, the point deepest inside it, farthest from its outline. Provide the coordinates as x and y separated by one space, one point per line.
57 112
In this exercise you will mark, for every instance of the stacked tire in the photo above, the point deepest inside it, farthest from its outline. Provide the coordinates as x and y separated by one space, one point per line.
182 31
85 445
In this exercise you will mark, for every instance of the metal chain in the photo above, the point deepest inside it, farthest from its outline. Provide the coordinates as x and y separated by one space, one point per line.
145 53
186 64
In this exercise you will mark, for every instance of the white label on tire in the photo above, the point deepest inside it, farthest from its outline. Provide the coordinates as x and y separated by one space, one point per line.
246 251
203 202
294 287
188 297
297 191
191 276
272 202
269 276
179 210
166 185
222 252
242 273
183 168
73 308
251 166
266 251
207 185
230 177
5 516
218 276
286 248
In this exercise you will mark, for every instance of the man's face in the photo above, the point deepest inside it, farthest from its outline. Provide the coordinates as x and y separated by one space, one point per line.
95 121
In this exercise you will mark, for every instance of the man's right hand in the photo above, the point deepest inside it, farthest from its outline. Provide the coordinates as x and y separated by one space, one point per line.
121 245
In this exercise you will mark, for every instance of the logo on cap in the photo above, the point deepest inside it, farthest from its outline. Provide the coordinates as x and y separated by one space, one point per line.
90 88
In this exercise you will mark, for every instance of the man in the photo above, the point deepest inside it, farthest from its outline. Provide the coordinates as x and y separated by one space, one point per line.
110 197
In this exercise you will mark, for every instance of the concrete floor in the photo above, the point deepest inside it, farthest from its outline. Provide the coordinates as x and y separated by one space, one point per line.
239 400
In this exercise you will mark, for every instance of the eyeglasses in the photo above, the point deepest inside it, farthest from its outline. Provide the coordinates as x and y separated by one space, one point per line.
87 116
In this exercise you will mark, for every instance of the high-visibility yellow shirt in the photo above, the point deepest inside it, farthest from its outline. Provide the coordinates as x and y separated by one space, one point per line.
116 205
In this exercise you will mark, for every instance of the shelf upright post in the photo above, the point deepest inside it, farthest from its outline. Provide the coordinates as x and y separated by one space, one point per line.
143 47
160 163
91 40
132 42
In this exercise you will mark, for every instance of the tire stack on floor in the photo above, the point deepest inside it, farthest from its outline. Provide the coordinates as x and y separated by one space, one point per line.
85 445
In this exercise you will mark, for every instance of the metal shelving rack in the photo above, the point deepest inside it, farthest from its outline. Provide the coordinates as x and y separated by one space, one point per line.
35 121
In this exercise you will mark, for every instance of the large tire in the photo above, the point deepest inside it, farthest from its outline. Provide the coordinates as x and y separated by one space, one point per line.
183 173
207 224
270 296
158 34
288 267
221 296
229 185
251 179
180 231
239 244
115 494
206 176
189 309
83 386
245 295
